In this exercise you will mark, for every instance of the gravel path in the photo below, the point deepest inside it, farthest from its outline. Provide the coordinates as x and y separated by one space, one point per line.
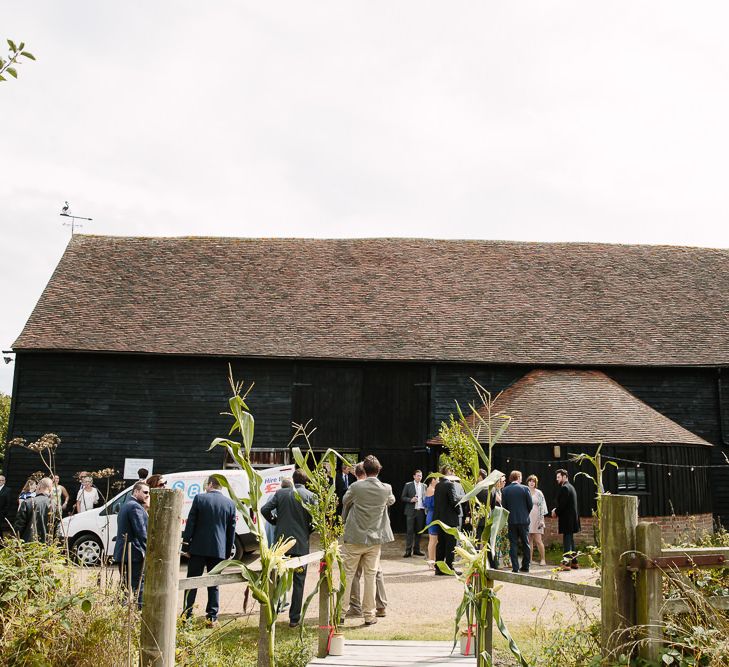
422 606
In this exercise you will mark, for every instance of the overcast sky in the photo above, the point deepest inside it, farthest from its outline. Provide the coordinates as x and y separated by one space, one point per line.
539 121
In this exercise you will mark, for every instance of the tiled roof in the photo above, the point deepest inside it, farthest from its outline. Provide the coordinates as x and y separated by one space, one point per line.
390 299
580 407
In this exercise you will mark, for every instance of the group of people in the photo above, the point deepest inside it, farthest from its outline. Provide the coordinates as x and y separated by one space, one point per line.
207 539
440 500
41 504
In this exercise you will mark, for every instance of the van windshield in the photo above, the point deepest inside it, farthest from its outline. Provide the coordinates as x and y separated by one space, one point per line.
114 507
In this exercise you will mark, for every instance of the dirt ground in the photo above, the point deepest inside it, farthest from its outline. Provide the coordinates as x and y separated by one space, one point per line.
422 606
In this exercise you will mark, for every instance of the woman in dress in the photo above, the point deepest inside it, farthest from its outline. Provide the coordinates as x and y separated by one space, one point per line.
500 539
429 504
536 517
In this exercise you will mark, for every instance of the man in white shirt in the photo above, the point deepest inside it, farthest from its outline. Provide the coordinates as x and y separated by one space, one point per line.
412 499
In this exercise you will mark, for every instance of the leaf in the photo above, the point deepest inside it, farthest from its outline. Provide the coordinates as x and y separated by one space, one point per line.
2 78
12 46
502 429
487 483
11 71
86 606
496 606
28 55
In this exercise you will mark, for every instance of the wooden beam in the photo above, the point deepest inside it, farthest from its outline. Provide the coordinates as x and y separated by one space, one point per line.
681 606
589 590
225 578
696 551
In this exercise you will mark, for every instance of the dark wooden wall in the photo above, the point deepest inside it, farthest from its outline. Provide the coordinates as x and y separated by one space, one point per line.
108 407
682 492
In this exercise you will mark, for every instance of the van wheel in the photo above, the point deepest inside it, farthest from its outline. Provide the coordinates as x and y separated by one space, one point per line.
87 550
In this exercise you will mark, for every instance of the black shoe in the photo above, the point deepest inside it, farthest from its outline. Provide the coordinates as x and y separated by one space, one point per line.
522 570
294 624
407 554
372 621
418 553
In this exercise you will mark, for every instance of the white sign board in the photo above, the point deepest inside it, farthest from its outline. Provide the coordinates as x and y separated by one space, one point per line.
132 465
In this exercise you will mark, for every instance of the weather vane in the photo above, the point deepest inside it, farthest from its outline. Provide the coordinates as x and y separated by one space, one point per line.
66 213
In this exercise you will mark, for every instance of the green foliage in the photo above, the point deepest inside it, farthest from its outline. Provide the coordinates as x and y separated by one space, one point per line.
269 585
324 520
234 645
459 453
9 64
571 646
467 456
46 620
4 421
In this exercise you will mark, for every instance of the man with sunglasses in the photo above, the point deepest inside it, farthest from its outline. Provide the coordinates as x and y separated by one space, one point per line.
131 540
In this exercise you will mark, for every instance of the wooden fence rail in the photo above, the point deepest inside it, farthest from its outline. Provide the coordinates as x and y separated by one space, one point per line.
588 590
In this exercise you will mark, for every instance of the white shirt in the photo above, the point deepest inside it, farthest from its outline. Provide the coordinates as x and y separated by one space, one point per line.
419 495
87 499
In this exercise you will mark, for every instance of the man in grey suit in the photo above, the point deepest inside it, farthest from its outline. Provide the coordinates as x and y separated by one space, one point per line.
291 519
366 529
412 500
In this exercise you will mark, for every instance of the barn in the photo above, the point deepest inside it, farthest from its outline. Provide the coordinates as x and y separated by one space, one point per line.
556 415
126 354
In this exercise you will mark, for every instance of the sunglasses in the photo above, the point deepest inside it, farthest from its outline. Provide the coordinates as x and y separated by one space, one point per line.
163 483
146 493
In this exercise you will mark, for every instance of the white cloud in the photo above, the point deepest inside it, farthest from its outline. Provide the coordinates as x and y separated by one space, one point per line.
531 121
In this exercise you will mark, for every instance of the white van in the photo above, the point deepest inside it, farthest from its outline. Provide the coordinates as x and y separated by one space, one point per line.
92 534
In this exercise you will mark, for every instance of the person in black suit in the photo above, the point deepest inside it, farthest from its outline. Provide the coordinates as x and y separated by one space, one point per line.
517 499
568 516
447 496
209 536
291 519
131 539
7 505
342 482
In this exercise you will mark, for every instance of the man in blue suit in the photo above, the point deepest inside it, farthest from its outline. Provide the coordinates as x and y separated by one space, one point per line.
208 539
131 539
518 500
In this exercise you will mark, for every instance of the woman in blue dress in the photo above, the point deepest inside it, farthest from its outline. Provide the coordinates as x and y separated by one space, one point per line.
429 504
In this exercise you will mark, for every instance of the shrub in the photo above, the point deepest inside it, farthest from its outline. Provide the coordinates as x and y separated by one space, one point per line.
46 620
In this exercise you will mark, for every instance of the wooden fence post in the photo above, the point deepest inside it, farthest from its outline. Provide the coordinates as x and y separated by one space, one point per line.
322 649
485 630
162 565
617 530
649 591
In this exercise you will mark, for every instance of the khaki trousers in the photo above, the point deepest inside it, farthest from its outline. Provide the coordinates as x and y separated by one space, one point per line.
368 557
355 603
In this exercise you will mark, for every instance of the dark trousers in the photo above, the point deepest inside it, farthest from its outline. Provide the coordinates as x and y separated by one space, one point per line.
568 547
414 523
519 532
195 568
297 594
133 577
445 549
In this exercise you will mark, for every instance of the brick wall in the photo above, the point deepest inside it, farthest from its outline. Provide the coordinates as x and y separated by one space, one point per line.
674 529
